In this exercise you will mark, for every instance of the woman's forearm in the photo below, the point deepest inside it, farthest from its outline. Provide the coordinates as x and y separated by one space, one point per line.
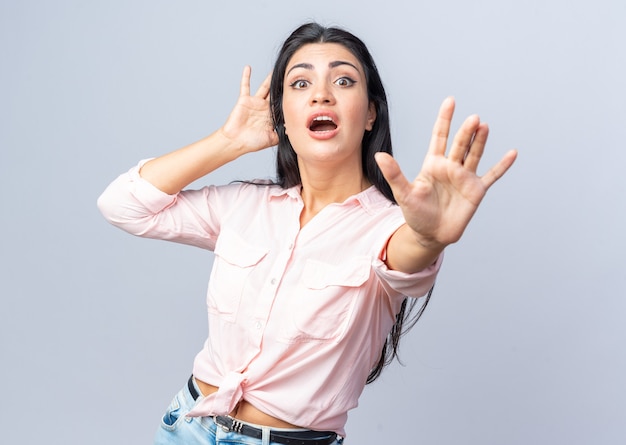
406 254
172 172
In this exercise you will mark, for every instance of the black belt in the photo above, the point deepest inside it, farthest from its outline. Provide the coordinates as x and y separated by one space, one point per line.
306 437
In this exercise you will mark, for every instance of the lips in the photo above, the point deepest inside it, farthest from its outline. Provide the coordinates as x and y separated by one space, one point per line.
322 123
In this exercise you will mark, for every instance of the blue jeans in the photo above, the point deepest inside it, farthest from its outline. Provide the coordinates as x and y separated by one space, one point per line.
176 428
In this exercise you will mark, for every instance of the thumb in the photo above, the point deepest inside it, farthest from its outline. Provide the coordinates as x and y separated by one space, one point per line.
392 173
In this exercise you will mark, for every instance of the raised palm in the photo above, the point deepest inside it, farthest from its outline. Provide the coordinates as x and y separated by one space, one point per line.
250 123
444 196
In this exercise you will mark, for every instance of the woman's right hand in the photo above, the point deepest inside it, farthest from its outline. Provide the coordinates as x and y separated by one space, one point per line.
249 125
247 129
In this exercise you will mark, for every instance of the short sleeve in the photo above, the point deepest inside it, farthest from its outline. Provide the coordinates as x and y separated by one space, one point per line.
414 285
136 206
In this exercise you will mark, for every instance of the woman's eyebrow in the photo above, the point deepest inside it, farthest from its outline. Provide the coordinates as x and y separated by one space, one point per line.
306 66
335 64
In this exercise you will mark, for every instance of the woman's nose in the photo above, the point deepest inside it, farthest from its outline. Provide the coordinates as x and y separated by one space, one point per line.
322 95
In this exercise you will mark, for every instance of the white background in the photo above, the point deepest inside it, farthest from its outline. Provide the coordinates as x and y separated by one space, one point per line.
524 340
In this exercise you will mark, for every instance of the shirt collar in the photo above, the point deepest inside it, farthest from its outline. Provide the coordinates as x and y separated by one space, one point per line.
278 191
370 199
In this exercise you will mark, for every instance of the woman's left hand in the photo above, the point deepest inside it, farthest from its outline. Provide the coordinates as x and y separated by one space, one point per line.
439 204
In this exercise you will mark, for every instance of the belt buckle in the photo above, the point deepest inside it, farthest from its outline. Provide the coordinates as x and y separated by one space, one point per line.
224 427
235 426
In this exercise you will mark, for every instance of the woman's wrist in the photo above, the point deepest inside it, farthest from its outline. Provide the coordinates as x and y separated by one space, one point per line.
408 252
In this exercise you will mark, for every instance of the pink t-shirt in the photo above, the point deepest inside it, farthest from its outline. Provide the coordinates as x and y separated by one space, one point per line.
297 316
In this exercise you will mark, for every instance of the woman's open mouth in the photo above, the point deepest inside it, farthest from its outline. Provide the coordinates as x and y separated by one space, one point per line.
323 125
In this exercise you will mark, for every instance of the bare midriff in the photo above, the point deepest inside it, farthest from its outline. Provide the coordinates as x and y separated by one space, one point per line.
247 412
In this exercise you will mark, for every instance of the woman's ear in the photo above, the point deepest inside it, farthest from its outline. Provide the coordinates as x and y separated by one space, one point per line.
371 117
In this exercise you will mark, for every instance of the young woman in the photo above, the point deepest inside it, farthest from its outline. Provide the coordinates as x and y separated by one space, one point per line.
312 272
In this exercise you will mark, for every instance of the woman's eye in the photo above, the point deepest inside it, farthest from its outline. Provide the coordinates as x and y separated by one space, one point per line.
299 84
345 82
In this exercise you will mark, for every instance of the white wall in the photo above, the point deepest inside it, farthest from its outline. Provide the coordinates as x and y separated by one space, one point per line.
524 339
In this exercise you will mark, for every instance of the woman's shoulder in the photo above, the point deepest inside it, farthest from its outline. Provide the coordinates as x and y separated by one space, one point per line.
254 190
248 186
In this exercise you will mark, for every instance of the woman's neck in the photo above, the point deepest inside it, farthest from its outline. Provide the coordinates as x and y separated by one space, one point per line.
325 186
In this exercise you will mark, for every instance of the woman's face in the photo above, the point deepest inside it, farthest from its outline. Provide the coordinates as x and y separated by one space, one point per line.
325 104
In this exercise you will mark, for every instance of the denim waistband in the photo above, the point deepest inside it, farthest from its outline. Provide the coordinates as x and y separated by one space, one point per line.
282 436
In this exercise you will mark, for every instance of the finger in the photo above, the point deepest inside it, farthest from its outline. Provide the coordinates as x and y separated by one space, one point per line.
441 129
477 147
498 170
392 173
264 89
463 139
244 86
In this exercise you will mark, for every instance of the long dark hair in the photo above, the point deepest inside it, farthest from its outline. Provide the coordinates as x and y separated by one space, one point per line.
378 139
